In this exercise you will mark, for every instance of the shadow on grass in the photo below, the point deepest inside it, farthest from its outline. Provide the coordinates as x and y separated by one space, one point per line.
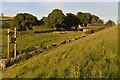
46 31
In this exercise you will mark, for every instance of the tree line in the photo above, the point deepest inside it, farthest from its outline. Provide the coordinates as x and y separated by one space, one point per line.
57 20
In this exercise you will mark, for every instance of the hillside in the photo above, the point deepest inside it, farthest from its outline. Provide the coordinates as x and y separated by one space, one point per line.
6 18
39 37
93 56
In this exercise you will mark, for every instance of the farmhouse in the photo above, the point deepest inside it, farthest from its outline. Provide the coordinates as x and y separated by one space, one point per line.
94 25
90 26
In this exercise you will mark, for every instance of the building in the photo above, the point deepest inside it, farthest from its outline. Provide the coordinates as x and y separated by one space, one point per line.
90 26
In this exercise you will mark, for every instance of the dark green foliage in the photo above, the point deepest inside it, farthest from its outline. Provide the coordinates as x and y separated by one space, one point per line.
44 21
90 32
87 18
24 21
98 29
95 30
56 19
5 24
110 23
71 20
2 14
96 19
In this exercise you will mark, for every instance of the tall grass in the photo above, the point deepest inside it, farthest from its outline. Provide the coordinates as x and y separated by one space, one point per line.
94 56
39 37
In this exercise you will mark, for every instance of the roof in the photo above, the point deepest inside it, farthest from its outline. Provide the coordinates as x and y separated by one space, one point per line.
94 24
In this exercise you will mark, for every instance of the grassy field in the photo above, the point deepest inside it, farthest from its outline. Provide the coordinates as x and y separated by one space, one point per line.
94 56
39 37
6 18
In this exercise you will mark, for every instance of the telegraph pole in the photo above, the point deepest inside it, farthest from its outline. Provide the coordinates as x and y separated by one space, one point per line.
8 46
15 43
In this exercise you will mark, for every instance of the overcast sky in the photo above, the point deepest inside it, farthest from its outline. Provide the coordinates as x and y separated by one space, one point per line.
105 10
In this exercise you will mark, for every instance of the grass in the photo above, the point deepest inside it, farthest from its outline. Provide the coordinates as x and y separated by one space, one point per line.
39 37
6 18
94 56
6 21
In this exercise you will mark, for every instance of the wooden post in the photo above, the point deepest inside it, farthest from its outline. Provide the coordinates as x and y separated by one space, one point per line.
15 43
8 46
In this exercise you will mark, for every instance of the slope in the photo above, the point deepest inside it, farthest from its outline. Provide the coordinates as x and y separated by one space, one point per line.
94 56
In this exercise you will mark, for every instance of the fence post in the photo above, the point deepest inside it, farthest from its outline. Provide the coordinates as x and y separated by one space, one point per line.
15 43
8 46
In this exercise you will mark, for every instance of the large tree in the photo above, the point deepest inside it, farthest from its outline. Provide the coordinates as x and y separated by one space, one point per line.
85 18
24 21
71 20
56 19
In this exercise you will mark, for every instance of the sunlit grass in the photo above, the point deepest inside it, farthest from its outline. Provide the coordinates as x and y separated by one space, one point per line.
94 56
31 40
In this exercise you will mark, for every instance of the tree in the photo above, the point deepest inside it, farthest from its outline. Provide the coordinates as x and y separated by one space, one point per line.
2 14
96 19
24 21
85 18
44 21
71 20
110 23
56 19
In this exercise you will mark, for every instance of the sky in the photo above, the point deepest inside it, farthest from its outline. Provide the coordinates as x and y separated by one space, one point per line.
60 0
105 10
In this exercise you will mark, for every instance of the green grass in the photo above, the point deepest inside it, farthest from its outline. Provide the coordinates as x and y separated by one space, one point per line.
31 40
94 56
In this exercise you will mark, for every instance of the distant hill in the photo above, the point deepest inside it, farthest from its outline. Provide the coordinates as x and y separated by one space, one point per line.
94 56
6 18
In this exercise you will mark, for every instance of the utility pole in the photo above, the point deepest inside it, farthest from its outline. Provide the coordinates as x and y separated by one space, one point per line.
8 46
15 43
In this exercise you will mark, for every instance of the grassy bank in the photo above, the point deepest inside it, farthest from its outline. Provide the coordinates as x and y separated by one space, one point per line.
39 37
94 56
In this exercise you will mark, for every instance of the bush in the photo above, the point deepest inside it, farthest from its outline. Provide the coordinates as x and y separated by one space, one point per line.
90 31
95 30
98 29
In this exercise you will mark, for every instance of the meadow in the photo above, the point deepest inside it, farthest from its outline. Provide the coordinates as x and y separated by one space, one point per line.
40 36
94 56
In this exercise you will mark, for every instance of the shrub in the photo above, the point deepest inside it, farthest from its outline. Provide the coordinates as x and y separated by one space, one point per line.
90 31
95 30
